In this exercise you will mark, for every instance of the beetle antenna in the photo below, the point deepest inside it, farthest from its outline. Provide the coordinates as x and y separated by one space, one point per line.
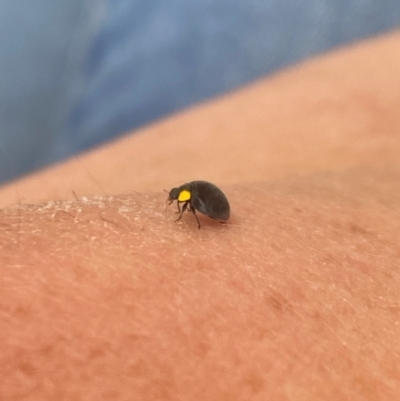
166 202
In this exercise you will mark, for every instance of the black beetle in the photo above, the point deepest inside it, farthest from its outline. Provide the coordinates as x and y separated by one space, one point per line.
202 196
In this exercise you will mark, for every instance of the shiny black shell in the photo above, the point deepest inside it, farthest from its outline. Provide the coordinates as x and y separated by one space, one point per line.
205 197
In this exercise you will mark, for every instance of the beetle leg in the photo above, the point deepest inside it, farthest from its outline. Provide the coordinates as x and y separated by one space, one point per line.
179 208
195 215
185 205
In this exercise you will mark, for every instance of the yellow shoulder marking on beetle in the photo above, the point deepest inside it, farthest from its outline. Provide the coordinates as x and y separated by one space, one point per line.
184 196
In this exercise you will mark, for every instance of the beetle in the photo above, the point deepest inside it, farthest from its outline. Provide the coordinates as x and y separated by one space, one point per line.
202 196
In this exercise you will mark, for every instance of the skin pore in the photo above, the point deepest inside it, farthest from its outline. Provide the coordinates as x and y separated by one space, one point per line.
105 297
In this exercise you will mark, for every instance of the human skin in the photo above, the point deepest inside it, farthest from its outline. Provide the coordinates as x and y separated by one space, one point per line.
296 298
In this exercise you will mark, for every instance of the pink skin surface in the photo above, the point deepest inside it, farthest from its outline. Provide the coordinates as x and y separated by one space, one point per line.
105 297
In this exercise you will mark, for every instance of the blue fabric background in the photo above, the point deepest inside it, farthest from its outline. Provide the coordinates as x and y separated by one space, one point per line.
75 73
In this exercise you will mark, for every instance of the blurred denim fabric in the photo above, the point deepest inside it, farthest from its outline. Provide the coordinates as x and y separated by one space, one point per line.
75 73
